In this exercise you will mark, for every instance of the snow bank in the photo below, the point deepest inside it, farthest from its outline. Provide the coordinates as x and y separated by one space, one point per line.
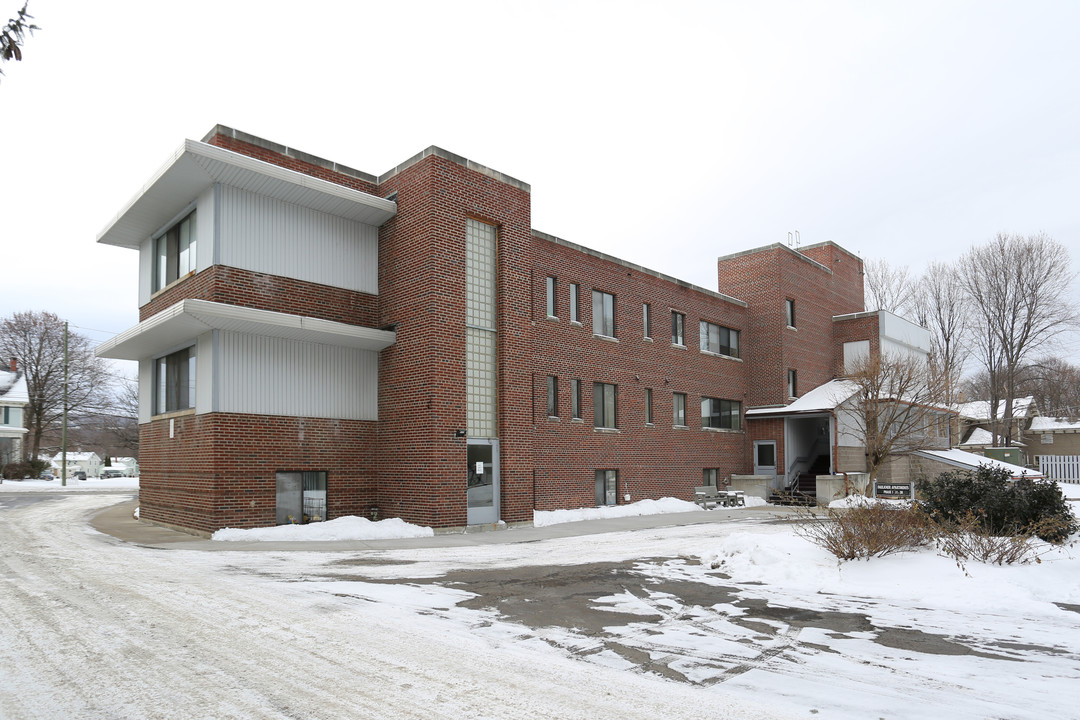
343 528
543 518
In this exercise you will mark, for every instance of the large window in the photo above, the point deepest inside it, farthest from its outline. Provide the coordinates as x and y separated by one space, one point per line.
301 497
719 340
574 303
678 323
607 487
552 396
721 413
551 298
604 405
603 313
174 253
174 381
678 405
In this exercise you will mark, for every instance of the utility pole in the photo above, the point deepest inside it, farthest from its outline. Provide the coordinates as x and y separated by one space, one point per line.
63 432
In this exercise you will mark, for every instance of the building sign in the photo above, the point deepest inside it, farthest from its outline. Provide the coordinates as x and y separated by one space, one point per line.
894 491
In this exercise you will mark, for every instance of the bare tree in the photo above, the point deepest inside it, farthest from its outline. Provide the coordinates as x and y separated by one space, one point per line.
36 339
13 35
1018 288
888 288
1055 385
895 407
941 307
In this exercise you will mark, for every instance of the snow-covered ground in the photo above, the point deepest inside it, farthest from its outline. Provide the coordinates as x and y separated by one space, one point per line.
742 619
120 483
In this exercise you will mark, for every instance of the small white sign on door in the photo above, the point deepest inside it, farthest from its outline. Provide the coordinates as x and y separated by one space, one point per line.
479 467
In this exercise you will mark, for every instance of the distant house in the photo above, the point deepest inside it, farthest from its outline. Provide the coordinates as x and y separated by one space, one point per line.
933 462
977 421
87 462
127 465
1054 436
13 398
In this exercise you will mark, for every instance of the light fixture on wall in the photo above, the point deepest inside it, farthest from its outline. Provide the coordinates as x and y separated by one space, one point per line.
459 433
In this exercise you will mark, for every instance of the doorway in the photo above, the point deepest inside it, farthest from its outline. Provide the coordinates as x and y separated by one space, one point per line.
765 458
482 488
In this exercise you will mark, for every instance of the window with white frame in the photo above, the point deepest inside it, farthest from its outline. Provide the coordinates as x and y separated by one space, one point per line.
174 252
678 405
604 405
718 339
551 297
174 381
603 313
678 326
717 413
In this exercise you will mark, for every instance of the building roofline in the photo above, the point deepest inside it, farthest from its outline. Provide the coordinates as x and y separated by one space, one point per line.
779 246
633 266
359 174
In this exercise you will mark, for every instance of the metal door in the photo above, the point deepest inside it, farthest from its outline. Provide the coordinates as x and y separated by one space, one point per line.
482 488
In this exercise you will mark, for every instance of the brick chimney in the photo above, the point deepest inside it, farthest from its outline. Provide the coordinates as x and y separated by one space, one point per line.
14 365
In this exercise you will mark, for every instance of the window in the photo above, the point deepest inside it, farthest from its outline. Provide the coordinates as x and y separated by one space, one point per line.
709 476
552 396
603 313
679 409
551 298
678 321
574 316
648 406
792 384
646 312
174 381
725 414
789 312
607 487
301 497
719 340
174 252
575 399
7 415
604 405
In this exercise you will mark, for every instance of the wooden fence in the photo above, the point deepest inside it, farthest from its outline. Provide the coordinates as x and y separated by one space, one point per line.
1064 468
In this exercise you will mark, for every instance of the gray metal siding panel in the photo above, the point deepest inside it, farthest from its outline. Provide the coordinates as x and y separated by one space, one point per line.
275 376
266 235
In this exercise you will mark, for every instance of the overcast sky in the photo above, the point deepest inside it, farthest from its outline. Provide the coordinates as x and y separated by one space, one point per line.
665 133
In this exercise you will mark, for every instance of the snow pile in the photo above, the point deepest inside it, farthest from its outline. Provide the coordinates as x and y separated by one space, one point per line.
343 528
73 483
663 506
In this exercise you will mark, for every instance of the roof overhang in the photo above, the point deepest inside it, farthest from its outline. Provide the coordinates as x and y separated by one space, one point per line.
190 318
195 166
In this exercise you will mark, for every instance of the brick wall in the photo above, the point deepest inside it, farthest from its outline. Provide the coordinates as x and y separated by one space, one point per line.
219 470
233 286
653 461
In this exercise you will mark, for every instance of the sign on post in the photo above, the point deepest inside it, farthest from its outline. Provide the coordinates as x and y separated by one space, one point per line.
894 491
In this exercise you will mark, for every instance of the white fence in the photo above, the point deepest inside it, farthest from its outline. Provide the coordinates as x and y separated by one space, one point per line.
1065 468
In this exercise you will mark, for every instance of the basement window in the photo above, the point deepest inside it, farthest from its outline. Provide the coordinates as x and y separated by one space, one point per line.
301 497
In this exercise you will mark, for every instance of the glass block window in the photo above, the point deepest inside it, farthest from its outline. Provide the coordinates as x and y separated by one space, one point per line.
480 339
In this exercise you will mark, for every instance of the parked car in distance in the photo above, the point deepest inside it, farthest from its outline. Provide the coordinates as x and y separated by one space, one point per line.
107 473
80 475
46 476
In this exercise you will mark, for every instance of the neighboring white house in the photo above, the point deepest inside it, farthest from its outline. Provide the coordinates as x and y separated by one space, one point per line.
87 462
14 397
127 465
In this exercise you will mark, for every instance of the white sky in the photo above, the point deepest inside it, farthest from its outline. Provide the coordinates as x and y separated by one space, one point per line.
663 133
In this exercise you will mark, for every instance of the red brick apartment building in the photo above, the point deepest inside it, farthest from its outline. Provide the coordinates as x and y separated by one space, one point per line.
315 341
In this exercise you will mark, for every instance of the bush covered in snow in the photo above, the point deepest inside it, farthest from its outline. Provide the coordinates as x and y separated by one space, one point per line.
871 530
